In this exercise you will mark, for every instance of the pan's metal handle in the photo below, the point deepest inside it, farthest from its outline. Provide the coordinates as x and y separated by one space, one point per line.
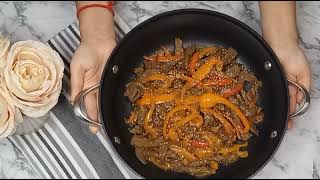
78 110
306 97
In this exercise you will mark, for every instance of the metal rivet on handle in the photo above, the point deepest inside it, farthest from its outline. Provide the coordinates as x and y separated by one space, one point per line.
117 140
115 69
273 134
267 65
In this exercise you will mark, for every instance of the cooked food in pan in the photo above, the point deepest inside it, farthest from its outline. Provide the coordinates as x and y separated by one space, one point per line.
194 108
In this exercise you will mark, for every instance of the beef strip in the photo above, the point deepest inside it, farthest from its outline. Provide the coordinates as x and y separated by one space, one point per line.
230 56
134 91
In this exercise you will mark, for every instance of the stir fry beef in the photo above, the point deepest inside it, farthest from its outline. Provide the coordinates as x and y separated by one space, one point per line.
134 91
230 56
194 109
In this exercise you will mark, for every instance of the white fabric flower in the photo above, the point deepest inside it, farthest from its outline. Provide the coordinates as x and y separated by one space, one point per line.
10 116
33 75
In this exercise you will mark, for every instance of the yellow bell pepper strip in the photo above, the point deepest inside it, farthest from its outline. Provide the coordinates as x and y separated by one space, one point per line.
160 77
171 113
234 90
203 153
226 125
189 100
205 69
185 78
183 152
164 58
172 131
147 99
194 60
149 129
207 51
208 100
235 149
243 154
214 165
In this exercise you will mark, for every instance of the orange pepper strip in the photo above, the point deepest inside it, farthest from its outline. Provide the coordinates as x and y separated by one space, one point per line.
198 121
199 144
171 113
230 92
194 60
186 78
183 153
149 129
172 131
205 69
154 77
208 100
164 58
227 126
147 99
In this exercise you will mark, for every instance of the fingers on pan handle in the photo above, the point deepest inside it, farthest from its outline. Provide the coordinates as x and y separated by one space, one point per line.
306 97
78 111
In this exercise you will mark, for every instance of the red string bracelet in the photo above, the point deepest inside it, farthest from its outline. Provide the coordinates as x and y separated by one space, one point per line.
108 6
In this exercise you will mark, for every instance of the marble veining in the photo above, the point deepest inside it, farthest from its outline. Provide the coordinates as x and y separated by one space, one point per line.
299 154
12 163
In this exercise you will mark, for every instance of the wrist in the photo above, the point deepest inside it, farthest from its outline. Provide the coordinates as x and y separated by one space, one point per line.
281 40
96 24
99 43
284 50
98 39
99 46
108 5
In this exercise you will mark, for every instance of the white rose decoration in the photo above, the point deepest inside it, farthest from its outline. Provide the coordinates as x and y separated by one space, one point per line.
33 76
4 48
10 116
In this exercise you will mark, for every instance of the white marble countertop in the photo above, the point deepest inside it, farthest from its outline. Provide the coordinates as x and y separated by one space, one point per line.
300 149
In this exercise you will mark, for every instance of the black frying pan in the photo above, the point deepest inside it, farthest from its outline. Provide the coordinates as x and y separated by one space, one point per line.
195 26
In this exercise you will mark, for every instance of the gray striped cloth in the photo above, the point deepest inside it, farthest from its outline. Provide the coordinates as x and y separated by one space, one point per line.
64 147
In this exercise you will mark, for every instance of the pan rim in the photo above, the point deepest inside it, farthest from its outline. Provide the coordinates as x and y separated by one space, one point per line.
223 16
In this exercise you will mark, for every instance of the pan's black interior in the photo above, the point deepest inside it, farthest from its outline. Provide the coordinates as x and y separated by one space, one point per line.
199 26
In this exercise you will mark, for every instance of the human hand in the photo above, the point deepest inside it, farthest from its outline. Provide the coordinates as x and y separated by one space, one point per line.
296 68
86 69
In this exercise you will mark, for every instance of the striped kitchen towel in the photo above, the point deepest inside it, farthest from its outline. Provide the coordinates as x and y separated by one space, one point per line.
64 147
